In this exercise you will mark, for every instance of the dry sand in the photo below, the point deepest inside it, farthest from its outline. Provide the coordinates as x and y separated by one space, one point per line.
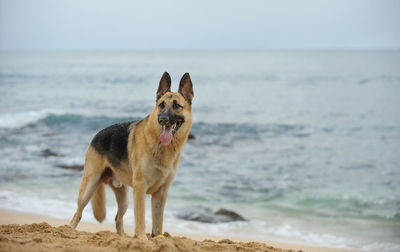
20 232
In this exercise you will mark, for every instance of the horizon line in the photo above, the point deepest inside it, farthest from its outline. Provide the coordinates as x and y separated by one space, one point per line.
195 50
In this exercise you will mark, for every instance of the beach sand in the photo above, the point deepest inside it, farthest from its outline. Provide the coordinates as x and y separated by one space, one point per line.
22 232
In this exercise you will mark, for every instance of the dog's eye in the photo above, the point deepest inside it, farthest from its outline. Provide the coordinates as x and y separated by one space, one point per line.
161 105
176 105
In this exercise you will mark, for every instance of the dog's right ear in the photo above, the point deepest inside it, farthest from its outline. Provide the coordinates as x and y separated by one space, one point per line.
165 85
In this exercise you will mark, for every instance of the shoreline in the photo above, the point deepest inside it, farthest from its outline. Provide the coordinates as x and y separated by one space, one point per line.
8 217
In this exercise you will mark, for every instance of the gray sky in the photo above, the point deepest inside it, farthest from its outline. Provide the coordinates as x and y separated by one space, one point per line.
205 24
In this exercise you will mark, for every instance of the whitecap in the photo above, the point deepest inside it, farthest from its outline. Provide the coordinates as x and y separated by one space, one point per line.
24 118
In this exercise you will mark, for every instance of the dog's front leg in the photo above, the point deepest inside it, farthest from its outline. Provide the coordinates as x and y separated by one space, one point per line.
158 200
139 195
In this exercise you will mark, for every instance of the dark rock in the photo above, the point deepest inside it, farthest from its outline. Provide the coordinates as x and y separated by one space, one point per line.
49 134
191 136
232 215
206 215
71 167
49 153
199 213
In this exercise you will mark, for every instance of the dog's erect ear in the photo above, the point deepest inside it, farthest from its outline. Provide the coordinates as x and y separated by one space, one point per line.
165 85
186 88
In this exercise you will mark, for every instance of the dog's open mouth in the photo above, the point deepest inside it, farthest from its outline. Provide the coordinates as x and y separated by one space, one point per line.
168 131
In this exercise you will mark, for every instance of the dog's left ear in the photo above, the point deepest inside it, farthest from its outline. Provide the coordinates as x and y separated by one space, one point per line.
165 85
186 88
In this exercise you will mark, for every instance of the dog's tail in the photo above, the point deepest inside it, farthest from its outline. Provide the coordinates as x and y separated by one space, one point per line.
99 203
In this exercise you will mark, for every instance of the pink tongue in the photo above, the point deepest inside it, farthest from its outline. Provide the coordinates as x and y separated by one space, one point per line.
166 136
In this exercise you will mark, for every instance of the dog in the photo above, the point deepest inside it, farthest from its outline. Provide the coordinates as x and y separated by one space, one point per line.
143 154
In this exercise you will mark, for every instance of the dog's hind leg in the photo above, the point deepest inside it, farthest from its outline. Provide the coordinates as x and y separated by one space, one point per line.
121 195
90 181
88 186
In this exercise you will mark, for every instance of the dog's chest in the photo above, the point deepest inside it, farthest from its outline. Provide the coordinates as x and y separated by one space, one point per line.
158 171
156 177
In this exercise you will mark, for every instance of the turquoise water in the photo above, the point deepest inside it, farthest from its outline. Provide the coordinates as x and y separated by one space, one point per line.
306 145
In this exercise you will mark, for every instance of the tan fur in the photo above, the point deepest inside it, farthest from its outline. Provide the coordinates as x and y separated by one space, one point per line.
99 203
150 169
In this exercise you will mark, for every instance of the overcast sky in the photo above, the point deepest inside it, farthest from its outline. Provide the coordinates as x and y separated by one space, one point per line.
205 24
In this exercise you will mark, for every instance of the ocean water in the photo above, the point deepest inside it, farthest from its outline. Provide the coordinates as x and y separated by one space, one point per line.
303 144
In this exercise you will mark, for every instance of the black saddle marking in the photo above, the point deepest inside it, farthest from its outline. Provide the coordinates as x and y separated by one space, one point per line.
113 142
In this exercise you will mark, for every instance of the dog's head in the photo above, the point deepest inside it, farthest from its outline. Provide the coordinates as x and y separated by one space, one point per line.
174 110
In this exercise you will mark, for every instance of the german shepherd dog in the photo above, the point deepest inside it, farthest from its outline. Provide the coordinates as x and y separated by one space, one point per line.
142 154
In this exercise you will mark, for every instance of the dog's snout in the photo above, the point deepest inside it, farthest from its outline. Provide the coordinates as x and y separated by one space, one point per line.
163 119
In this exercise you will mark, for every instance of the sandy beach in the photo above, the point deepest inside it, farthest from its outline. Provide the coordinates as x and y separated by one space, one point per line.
20 232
